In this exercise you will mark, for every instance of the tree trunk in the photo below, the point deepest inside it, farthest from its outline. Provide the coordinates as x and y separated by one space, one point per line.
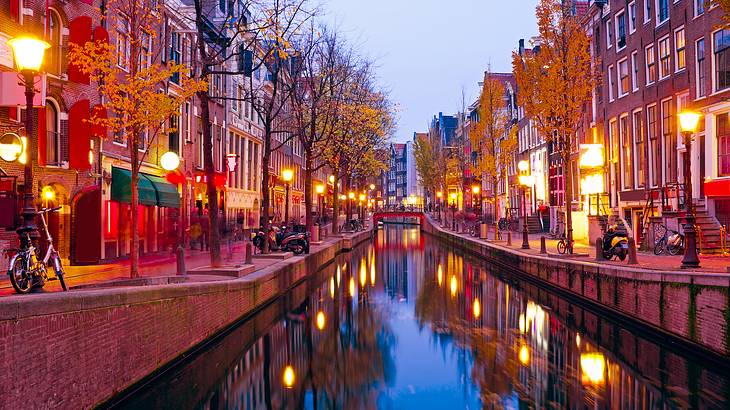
265 194
308 192
134 251
335 203
212 192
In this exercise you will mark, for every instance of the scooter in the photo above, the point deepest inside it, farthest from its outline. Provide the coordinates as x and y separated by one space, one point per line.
618 246
279 240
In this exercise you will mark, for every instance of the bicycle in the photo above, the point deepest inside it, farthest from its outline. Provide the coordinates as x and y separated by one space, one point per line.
564 245
506 224
26 270
673 244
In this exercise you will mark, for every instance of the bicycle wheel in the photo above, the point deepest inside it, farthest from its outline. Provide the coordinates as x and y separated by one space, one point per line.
561 247
660 245
676 249
58 268
20 278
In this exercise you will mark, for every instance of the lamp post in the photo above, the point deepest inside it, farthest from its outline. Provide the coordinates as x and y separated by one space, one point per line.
453 210
476 191
287 175
688 122
524 180
439 196
28 55
320 194
361 214
170 161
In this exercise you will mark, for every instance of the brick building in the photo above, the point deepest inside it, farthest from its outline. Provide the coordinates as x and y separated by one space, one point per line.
659 57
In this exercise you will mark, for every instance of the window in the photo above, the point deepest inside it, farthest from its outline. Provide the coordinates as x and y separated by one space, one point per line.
635 71
623 77
173 142
639 149
55 53
647 11
175 54
655 148
123 45
701 69
669 140
664 59
610 83
679 56
721 44
662 11
650 65
53 145
723 145
612 134
699 7
188 118
145 54
632 17
626 165
620 30
609 35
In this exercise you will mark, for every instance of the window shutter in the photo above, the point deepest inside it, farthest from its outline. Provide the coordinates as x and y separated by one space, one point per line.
42 135
100 34
79 33
79 135
15 10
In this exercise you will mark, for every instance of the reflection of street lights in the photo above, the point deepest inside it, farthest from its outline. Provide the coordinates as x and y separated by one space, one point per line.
321 320
287 175
28 55
361 215
525 181
688 122
170 161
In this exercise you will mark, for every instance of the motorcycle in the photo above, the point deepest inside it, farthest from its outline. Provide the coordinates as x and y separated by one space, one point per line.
615 245
281 240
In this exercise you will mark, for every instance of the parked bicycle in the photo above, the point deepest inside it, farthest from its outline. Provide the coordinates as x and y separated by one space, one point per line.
353 225
673 244
508 224
26 269
565 246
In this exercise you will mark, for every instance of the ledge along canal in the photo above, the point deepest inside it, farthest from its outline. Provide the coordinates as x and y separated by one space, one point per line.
404 322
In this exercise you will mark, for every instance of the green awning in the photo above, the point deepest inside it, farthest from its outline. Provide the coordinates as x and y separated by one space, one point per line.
122 192
167 194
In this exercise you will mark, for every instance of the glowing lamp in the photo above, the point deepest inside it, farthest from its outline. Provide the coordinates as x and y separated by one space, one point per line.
591 184
288 377
439 194
169 161
320 320
48 193
475 189
526 180
522 166
287 175
351 195
332 179
319 189
28 52
591 156
453 196
372 186
688 121
11 147
592 367
361 197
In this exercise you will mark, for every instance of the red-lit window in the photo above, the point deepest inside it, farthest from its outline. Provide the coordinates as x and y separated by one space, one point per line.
723 145
111 219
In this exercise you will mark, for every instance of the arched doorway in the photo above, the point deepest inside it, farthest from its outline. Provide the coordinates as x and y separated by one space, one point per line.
86 232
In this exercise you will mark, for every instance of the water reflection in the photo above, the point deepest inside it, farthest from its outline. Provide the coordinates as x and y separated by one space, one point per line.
404 323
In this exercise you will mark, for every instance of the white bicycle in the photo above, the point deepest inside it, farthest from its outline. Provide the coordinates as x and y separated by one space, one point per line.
26 270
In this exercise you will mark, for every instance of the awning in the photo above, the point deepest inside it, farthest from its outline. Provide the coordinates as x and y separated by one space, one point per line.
122 192
152 190
167 194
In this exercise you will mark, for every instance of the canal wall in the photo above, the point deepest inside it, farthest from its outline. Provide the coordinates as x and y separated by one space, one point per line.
690 308
77 349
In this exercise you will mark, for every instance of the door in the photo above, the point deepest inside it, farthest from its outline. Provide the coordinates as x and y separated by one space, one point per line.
86 227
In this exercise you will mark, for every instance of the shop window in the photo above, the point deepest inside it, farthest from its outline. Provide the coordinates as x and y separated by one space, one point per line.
723 145
669 140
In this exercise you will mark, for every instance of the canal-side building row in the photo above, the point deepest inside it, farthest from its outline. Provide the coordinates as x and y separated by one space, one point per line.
86 170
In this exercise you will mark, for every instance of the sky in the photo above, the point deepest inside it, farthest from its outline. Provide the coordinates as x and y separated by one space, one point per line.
428 51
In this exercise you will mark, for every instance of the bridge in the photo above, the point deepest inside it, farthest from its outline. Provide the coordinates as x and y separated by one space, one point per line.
391 213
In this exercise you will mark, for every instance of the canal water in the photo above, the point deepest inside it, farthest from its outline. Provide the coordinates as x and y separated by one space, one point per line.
404 323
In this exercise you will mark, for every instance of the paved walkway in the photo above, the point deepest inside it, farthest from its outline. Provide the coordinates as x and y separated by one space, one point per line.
158 265
647 260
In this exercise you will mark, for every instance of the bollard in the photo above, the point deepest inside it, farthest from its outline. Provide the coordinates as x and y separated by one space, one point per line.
509 238
483 229
599 249
249 253
543 245
315 233
180 254
633 260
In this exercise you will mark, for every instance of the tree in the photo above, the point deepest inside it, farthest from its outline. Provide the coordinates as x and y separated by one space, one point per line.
555 82
430 162
264 34
133 85
487 132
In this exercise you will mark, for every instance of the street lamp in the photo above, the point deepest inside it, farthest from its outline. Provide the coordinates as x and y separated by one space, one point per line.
170 161
319 189
688 122
453 210
439 195
476 191
28 55
287 175
524 180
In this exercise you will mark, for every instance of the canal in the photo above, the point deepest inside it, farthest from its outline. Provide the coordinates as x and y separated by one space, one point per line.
405 323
